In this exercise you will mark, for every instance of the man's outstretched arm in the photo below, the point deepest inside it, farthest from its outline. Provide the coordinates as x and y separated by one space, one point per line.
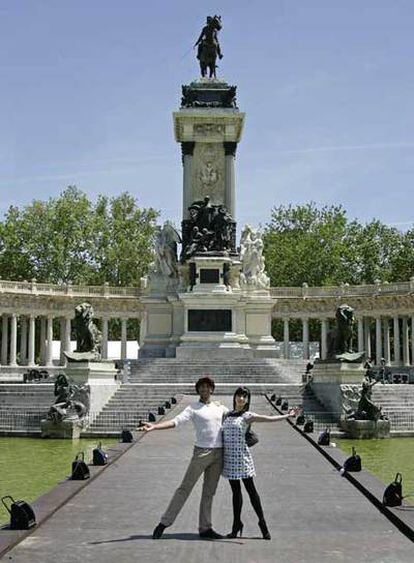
184 416
148 427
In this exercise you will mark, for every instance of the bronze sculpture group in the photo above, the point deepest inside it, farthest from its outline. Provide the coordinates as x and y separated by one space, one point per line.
209 229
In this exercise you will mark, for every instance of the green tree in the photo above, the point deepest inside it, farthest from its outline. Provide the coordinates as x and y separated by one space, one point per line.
123 240
71 239
305 244
321 247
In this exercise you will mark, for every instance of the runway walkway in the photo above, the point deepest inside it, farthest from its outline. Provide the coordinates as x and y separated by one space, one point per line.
314 515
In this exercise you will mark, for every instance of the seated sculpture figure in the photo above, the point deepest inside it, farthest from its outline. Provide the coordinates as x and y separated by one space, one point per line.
366 409
72 401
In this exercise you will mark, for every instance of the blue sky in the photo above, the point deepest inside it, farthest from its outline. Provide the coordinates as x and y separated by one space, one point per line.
88 88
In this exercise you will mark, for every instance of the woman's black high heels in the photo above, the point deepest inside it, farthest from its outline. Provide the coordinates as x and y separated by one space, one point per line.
236 528
264 530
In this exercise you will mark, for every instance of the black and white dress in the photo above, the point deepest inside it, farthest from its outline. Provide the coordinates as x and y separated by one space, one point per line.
237 459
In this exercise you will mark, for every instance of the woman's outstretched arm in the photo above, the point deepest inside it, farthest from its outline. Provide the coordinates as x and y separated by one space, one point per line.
275 418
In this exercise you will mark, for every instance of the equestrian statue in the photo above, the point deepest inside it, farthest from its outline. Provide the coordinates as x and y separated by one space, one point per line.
209 46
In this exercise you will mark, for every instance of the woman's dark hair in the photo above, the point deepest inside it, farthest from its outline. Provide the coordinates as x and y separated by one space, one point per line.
246 393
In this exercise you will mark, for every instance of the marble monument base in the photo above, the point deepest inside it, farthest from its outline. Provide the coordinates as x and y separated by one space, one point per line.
365 429
99 376
68 429
326 371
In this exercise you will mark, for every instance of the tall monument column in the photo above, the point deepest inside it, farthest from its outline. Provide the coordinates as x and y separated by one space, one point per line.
208 125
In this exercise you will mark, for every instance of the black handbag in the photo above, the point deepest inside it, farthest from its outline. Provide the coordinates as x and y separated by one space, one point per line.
251 437
22 516
393 493
99 457
353 463
80 470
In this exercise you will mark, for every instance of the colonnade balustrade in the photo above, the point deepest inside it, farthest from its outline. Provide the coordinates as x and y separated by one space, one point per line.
27 339
381 337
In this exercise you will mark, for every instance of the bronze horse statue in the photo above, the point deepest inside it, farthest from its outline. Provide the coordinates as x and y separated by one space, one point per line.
209 46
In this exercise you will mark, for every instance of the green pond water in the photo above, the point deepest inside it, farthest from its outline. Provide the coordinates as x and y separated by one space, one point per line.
385 458
30 467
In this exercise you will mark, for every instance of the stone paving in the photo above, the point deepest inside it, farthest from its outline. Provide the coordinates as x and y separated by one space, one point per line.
314 515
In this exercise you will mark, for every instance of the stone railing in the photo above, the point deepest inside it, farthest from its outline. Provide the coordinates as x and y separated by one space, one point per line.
305 291
384 288
34 288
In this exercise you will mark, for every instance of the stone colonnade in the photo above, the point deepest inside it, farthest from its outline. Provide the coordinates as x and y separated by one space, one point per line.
391 338
21 345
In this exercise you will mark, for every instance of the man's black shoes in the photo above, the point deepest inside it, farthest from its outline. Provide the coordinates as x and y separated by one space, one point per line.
158 531
210 534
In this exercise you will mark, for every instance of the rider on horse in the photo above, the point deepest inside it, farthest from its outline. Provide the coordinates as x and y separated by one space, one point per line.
208 43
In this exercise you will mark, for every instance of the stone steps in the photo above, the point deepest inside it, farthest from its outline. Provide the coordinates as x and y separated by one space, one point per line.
152 382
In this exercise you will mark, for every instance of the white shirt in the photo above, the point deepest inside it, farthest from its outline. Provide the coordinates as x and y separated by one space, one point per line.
207 419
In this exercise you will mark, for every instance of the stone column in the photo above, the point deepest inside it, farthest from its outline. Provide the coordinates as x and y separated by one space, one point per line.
406 348
360 334
230 181
397 356
104 350
42 341
13 340
31 354
62 357
49 342
305 338
387 350
367 337
123 339
378 341
68 328
187 149
23 341
5 340
412 340
286 338
324 339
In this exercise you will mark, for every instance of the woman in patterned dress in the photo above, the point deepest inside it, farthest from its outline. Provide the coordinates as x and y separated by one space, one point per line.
237 460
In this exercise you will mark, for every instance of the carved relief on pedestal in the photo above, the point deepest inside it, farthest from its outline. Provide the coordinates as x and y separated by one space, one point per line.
209 130
208 172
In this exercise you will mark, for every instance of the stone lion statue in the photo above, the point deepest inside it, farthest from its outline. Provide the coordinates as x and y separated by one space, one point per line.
88 336
340 338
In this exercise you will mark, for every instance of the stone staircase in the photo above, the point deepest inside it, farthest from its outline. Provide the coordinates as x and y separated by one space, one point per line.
23 405
153 382
397 402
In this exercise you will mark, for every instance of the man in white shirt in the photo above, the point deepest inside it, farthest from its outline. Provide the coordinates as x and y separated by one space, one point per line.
207 417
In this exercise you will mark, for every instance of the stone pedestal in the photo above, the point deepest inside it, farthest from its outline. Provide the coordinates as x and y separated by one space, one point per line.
69 429
337 372
365 429
100 376
328 379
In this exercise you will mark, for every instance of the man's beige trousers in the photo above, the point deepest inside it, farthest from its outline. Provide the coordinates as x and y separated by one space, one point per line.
205 460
